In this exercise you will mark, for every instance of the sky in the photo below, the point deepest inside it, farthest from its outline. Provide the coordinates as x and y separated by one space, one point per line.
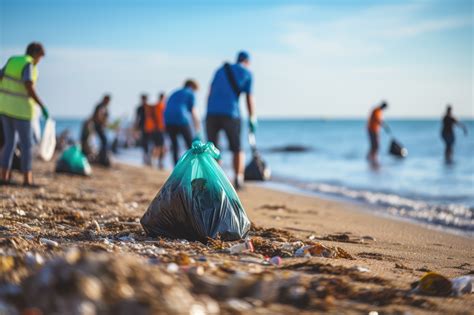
321 59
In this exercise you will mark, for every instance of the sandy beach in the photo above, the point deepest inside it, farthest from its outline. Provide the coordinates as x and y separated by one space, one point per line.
377 257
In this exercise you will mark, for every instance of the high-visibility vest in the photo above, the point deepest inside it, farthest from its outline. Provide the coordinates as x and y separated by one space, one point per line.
154 118
14 99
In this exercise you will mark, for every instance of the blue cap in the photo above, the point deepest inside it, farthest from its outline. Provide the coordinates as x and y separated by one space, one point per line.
242 56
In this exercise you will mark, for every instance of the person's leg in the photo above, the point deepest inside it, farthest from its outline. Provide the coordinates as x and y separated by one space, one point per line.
8 147
23 127
449 149
103 159
373 138
173 133
187 135
232 129
146 148
212 130
159 147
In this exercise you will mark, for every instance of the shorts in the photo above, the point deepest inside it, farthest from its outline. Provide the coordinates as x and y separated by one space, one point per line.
374 140
449 139
231 127
157 138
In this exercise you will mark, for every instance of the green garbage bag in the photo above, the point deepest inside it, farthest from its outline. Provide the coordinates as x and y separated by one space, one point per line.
197 201
73 161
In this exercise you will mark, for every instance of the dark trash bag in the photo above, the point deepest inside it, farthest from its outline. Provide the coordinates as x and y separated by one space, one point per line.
197 201
73 161
257 169
397 149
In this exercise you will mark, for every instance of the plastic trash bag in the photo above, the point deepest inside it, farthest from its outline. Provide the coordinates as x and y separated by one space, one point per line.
73 161
197 201
47 144
397 149
257 169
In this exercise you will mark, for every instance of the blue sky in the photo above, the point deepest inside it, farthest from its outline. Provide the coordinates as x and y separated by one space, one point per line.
309 58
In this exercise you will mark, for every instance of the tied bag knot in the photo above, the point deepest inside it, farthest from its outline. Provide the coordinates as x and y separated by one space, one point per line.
198 148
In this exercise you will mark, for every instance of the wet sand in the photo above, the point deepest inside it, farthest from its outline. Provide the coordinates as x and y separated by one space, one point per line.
99 215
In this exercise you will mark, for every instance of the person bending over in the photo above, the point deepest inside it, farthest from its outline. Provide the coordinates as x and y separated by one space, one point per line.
223 112
178 114
373 128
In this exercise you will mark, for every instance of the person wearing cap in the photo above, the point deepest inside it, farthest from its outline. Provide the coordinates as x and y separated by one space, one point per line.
18 99
373 128
179 111
223 112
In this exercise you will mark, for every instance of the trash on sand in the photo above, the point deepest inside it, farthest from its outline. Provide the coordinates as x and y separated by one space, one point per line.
197 201
433 284
463 285
73 161
245 247
320 250
276 261
48 242
438 285
361 269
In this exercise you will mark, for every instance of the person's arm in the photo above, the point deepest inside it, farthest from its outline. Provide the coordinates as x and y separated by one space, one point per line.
196 121
462 126
30 89
251 110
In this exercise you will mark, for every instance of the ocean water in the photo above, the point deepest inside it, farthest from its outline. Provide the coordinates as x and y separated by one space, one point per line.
420 187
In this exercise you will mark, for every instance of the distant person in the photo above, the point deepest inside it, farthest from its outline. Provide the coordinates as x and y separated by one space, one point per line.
223 112
17 106
178 114
373 127
99 119
447 133
87 131
140 127
153 129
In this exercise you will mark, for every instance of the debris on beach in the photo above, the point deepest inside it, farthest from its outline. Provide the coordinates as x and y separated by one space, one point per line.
438 285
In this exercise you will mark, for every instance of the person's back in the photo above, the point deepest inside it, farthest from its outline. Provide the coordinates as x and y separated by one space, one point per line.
178 107
448 125
223 112
154 117
374 120
223 100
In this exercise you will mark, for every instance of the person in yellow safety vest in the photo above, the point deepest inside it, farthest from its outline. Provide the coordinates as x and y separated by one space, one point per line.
18 99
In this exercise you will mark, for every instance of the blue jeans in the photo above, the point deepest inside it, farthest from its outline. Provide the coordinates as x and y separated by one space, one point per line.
12 130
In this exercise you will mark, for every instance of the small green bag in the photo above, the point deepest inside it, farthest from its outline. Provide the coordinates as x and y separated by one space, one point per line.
197 201
73 161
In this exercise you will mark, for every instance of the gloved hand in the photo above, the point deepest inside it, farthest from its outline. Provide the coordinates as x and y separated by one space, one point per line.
45 112
252 124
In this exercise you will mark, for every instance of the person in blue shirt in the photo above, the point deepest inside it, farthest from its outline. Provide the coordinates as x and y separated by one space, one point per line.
179 112
223 112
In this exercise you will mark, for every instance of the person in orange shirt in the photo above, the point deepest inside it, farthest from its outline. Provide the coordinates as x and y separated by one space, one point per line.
373 127
154 127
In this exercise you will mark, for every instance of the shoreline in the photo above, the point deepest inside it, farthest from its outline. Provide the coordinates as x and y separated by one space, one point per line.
100 215
372 209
